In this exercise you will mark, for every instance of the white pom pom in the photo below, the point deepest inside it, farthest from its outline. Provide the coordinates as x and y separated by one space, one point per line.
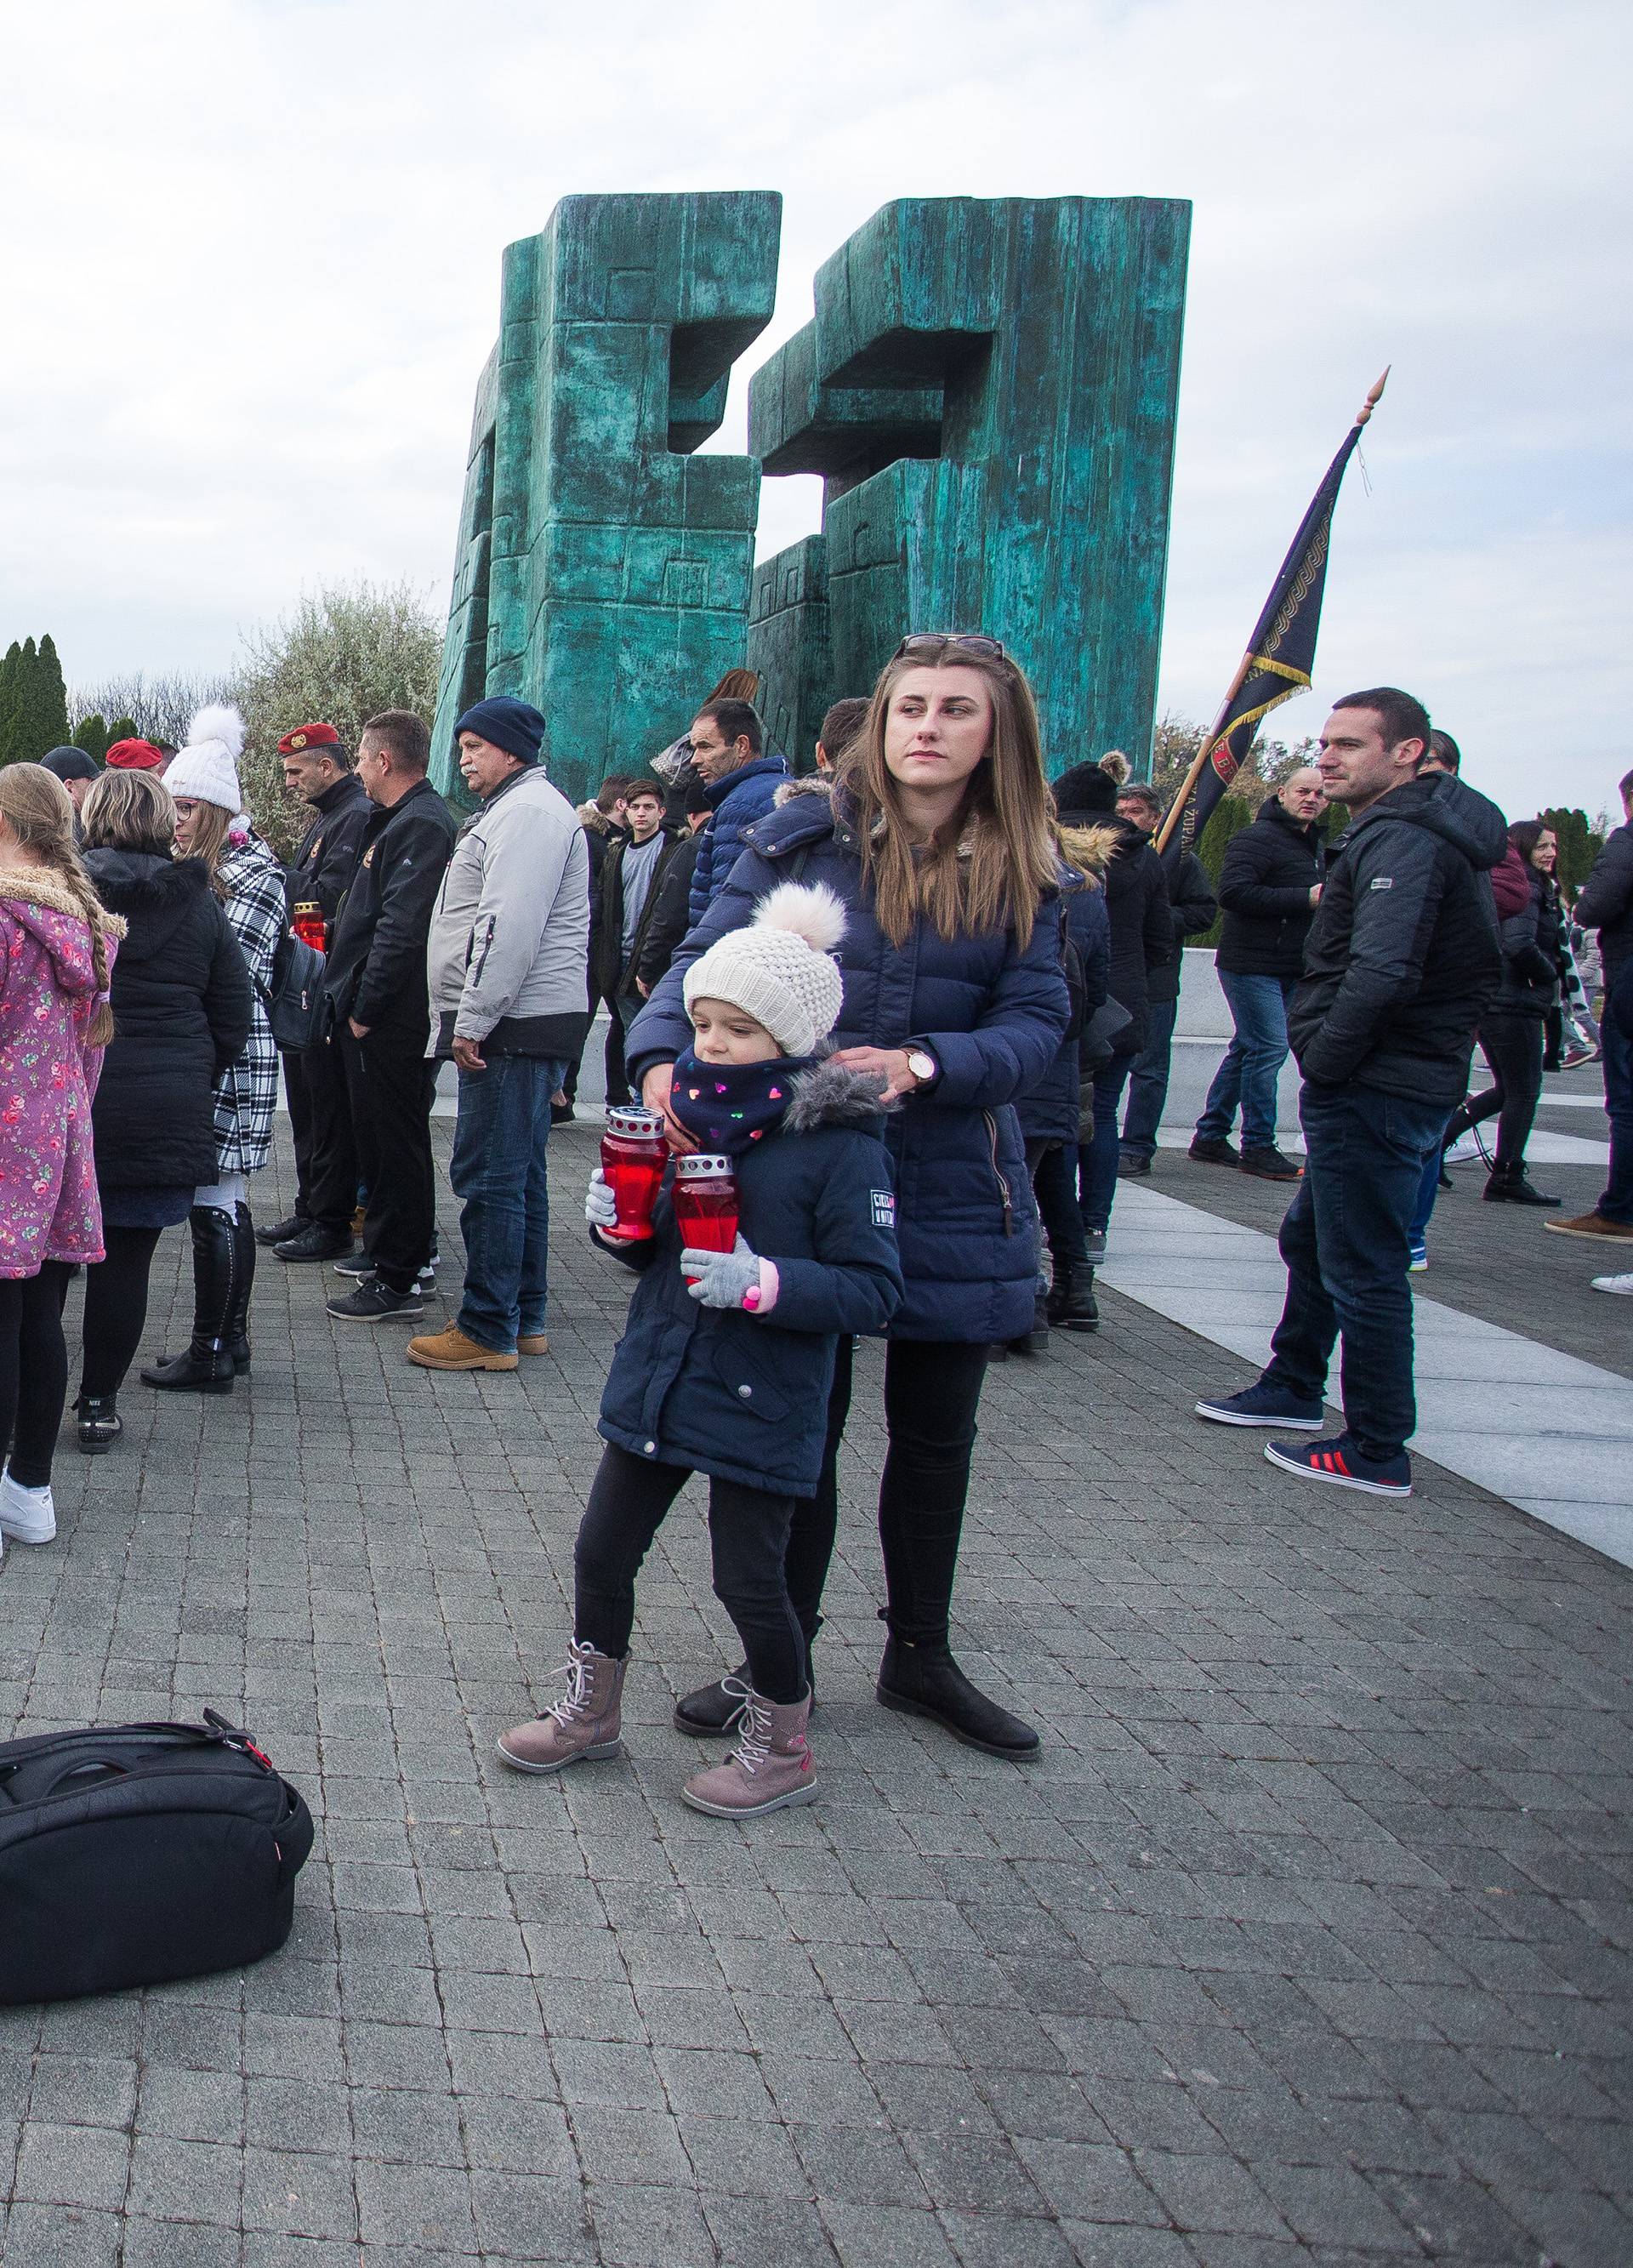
809 910
221 722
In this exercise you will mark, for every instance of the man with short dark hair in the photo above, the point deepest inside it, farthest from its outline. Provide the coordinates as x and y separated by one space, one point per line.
375 979
317 768
1192 908
727 745
78 774
1401 960
631 887
1606 903
841 721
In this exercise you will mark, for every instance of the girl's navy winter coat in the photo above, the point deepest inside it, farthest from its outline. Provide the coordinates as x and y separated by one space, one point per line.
744 1396
181 1003
1052 1112
992 1015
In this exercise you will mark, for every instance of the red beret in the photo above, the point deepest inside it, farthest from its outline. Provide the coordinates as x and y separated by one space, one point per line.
308 736
135 757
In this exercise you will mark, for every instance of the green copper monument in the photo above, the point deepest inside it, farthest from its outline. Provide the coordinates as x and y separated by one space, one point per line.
603 570
989 390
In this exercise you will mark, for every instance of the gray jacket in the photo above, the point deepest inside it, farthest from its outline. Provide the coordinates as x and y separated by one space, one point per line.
509 944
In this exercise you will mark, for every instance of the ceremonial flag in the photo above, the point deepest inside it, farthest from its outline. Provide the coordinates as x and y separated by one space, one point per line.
1278 662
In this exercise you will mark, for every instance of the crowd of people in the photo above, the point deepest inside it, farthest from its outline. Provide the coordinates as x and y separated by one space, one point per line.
921 1000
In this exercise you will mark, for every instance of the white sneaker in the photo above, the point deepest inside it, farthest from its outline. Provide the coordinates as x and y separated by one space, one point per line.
1622 1284
1464 1151
27 1514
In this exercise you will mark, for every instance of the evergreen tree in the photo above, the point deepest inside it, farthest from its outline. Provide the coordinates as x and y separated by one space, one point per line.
124 728
49 706
11 700
92 735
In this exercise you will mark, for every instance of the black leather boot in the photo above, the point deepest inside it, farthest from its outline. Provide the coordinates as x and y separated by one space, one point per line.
924 1680
1508 1185
1072 1305
207 1365
100 1423
711 1710
244 1283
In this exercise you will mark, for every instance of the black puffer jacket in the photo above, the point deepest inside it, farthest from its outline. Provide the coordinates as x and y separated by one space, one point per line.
1192 908
1142 922
1530 943
1607 901
1265 879
1402 956
181 1014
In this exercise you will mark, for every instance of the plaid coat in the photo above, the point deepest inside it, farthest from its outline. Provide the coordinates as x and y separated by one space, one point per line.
247 1092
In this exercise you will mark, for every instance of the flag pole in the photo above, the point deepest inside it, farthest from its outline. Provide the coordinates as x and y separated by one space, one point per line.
1188 786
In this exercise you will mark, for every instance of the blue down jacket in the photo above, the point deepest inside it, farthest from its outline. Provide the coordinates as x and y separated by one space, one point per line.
742 1395
993 1017
1050 1111
738 801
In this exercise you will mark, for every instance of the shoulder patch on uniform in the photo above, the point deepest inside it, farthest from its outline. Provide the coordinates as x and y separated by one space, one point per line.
884 1209
1381 882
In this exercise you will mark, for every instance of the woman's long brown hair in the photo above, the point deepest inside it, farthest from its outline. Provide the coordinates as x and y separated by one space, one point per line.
35 806
989 865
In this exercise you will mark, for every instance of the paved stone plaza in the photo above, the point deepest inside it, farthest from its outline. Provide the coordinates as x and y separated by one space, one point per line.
1305 1940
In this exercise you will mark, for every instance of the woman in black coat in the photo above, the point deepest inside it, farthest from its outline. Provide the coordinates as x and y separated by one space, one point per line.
181 1007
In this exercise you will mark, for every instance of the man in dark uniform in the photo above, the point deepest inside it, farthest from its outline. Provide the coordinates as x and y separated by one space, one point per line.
317 768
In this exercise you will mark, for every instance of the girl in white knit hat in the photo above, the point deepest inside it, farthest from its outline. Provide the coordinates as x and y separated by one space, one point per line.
212 825
727 1363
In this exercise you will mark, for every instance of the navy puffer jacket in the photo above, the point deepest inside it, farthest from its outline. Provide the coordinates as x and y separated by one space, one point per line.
742 1395
1052 1110
738 801
992 1015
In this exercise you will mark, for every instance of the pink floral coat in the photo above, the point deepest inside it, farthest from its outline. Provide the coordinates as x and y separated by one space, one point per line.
49 1208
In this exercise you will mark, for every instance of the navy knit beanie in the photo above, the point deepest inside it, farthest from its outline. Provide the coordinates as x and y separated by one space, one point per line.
514 726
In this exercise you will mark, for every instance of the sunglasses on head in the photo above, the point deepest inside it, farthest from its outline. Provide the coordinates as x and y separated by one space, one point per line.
933 641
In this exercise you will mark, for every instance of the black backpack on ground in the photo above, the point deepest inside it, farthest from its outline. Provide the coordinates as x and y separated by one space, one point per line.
133 1854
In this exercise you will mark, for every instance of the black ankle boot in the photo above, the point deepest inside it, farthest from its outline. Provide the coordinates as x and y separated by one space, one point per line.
924 1680
1508 1185
100 1423
207 1365
711 1710
1071 1303
1036 1341
244 1261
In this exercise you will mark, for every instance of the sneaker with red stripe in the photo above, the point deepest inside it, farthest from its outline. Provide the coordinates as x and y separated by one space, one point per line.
1339 1462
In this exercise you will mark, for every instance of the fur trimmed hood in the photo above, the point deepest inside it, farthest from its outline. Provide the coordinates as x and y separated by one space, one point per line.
1092 849
832 1094
808 784
42 904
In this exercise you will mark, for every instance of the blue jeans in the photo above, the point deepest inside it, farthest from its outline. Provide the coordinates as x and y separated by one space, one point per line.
1344 1242
498 1173
1148 1082
1616 1037
1253 1061
1423 1209
1098 1164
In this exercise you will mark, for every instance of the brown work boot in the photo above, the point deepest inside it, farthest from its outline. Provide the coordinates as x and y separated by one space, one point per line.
533 1343
769 1767
584 1722
451 1349
1593 1225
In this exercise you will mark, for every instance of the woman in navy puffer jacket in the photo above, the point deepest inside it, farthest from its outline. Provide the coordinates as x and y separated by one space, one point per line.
937 844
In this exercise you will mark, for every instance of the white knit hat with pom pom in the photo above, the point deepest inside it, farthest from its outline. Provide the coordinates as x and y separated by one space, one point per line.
781 970
207 769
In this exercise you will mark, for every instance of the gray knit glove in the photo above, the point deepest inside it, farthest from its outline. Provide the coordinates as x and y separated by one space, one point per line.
722 1278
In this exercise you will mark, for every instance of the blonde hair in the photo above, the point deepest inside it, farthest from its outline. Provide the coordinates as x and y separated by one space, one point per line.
36 808
993 862
129 811
211 824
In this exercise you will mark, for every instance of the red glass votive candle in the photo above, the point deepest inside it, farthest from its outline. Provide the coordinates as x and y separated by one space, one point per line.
705 1204
634 1154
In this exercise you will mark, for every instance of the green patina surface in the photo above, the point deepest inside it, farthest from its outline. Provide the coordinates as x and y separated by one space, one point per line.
988 390
603 570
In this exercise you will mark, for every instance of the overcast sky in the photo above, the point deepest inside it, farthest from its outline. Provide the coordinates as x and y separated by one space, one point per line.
250 271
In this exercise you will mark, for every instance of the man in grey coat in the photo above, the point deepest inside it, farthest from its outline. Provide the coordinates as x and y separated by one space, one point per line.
506 964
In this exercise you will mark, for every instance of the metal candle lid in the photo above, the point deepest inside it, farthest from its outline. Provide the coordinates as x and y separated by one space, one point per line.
634 1120
701 1168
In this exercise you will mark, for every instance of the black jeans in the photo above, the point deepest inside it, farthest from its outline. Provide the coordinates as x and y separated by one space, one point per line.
931 1391
1513 1046
325 1156
34 1370
115 1309
748 1537
1344 1240
389 1084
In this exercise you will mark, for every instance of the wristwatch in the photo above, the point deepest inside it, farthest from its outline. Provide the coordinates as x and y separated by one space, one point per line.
923 1066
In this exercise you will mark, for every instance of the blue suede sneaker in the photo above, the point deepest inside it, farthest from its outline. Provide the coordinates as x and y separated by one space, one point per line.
1339 1461
1264 1404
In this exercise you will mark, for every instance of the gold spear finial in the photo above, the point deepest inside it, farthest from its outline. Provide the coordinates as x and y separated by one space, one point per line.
1374 397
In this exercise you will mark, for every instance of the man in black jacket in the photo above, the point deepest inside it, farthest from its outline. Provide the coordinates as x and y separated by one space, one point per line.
1192 908
317 768
1606 905
1401 960
376 984
637 867
1270 884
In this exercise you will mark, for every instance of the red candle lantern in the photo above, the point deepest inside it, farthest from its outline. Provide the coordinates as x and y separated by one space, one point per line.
634 1154
705 1204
